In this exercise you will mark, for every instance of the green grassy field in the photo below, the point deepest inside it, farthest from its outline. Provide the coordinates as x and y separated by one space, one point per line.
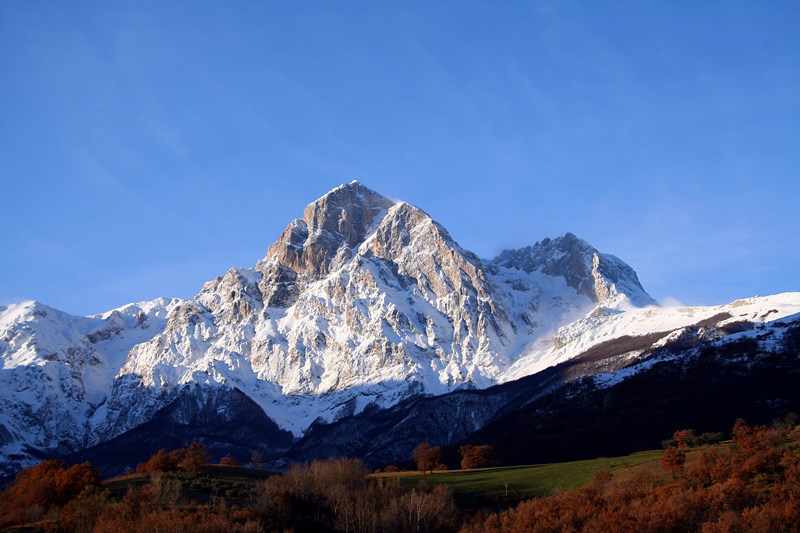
470 487
474 486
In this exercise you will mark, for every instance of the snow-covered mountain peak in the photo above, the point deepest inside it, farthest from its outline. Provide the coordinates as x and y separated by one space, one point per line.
360 292
361 303
331 227
363 292
604 278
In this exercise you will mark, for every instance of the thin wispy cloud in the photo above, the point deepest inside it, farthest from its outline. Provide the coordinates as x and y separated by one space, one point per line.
657 136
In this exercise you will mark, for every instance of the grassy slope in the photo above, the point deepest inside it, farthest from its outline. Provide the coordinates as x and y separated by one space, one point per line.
475 486
470 487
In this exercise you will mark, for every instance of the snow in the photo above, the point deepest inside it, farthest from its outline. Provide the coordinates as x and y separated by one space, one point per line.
418 315
591 330
61 367
359 328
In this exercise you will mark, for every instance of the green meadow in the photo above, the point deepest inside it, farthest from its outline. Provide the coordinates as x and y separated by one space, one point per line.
474 486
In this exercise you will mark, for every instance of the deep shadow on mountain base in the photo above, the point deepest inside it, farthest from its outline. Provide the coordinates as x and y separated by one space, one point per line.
705 388
707 392
225 420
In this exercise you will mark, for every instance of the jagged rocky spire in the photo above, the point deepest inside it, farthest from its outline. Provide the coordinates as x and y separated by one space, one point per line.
330 229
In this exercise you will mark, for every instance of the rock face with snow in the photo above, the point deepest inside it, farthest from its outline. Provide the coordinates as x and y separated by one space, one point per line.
600 277
363 302
359 305
57 371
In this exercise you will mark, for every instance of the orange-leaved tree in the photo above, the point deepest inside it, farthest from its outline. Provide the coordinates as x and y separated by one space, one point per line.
482 456
427 456
39 488
196 458
673 460
683 438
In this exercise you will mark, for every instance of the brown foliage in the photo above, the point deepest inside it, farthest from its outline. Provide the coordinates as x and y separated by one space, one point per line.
200 520
48 485
196 458
427 457
162 461
753 487
337 495
713 465
757 450
673 460
81 514
682 437
229 460
482 456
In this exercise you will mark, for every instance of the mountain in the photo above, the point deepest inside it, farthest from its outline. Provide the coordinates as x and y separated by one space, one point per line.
57 370
702 368
363 309
363 302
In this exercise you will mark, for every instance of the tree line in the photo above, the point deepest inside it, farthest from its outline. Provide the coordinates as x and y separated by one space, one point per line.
428 457
330 495
749 484
752 485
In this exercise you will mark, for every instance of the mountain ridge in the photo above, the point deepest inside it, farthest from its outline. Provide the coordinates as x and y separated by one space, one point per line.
362 303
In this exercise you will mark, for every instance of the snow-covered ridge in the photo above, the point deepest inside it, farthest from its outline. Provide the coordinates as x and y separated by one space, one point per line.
604 324
57 370
762 319
360 303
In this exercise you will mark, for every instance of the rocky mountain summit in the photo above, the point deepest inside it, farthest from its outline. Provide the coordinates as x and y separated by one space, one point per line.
599 277
359 305
361 302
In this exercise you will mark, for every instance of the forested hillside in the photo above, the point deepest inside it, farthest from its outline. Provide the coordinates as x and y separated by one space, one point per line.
751 483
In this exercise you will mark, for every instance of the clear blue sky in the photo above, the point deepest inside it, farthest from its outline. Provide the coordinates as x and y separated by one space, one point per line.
146 147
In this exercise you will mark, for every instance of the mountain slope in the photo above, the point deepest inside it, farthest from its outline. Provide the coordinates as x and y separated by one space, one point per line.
741 359
362 302
56 372
698 378
364 307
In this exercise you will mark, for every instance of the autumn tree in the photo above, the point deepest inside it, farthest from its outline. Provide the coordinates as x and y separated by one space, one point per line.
427 457
757 450
161 461
196 458
684 438
36 489
482 456
82 513
673 460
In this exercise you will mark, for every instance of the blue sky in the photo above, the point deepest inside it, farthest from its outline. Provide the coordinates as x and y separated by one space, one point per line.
146 147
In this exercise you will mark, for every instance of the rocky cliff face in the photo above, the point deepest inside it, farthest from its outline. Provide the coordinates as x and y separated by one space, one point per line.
361 303
330 230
